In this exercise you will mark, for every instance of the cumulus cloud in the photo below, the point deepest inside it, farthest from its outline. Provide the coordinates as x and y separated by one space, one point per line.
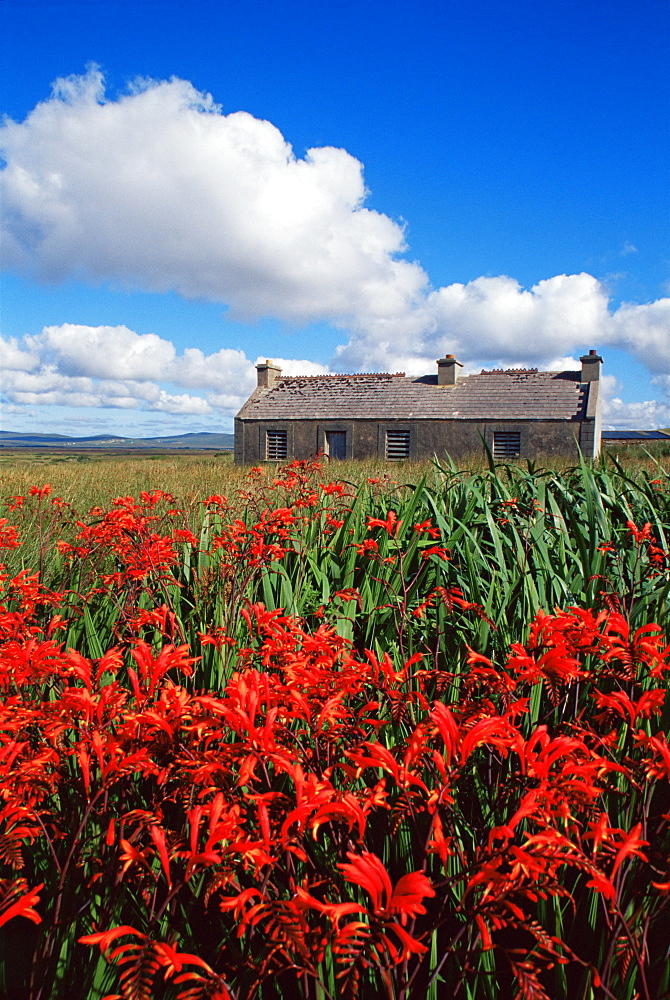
159 189
225 371
14 358
105 366
495 321
644 330
77 366
168 403
224 368
293 366
664 382
104 351
644 415
51 387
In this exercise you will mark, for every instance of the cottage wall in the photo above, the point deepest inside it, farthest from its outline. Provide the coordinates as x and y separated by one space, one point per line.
427 438
518 412
591 429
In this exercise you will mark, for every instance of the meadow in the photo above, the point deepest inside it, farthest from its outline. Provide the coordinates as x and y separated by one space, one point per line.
334 732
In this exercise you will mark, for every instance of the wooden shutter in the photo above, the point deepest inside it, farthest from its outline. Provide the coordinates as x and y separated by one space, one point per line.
397 445
506 444
276 445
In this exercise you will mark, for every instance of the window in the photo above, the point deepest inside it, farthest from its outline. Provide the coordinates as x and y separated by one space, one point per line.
276 445
506 444
397 445
336 444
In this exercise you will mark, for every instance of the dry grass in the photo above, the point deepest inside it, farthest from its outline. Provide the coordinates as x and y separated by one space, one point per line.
90 479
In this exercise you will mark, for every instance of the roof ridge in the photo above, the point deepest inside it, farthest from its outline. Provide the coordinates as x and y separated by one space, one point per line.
284 378
513 371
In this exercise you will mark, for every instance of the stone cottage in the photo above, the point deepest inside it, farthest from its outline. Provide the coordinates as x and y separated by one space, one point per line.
520 413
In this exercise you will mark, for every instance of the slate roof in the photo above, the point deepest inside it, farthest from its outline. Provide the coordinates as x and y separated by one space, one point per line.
636 436
494 395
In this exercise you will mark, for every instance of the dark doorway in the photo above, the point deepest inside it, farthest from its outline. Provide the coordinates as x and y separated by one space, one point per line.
336 444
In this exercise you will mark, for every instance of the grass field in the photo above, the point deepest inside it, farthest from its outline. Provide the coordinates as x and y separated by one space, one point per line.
373 731
86 479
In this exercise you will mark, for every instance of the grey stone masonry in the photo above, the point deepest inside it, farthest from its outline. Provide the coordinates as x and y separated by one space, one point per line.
268 374
591 363
447 370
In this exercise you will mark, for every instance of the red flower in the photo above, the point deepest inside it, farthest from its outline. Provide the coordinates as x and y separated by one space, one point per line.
368 547
9 535
21 906
183 535
639 534
391 524
631 845
436 550
368 871
427 528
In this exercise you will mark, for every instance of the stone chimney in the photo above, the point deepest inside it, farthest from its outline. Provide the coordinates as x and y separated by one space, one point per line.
446 370
267 374
591 363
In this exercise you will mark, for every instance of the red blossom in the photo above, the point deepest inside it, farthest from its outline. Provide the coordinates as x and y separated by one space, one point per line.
16 900
391 524
133 783
427 528
9 535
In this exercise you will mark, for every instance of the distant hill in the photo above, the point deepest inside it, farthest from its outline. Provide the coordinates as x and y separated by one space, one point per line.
113 442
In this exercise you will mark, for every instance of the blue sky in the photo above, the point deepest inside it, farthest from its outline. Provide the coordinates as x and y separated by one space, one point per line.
342 186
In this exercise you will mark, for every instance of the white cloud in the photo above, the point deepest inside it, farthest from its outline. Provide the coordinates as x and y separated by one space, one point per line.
224 402
46 380
183 404
495 321
14 358
664 381
227 377
104 351
115 352
647 415
226 370
12 408
644 330
292 366
159 189
105 366
49 388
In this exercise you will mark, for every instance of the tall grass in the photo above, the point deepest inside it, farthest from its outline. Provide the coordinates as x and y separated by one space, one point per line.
354 633
515 539
87 479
